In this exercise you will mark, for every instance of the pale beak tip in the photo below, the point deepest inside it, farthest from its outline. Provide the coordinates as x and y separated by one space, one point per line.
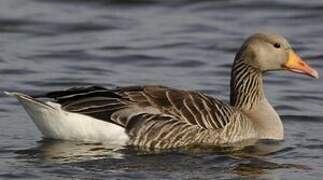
316 75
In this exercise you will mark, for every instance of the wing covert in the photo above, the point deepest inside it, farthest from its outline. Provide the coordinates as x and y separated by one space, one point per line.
189 107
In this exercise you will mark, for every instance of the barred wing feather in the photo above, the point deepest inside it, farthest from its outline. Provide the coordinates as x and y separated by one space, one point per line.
184 107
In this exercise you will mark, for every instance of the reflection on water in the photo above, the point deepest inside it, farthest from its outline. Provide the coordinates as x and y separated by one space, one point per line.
258 167
252 161
53 151
187 44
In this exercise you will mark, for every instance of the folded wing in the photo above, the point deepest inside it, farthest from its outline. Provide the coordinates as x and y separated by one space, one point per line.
190 107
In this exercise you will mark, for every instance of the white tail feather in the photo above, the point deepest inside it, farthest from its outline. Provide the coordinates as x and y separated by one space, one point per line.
56 123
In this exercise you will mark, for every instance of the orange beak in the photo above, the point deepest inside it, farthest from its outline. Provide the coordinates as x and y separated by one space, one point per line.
296 64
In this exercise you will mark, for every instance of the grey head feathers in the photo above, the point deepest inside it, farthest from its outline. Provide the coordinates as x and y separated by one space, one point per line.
264 51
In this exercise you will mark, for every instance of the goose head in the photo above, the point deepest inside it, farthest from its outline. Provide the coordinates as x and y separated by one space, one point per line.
271 51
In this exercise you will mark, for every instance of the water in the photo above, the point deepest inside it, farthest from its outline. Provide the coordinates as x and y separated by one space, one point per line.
187 44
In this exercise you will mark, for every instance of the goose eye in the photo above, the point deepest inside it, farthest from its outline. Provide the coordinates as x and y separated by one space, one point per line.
277 45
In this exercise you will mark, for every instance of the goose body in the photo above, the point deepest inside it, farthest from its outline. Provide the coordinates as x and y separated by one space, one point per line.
161 117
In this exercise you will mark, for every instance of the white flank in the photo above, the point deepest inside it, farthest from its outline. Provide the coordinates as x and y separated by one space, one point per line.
56 123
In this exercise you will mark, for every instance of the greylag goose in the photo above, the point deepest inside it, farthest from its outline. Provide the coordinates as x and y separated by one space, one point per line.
159 117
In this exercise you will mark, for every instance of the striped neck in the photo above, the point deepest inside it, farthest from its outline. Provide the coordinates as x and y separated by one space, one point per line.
246 86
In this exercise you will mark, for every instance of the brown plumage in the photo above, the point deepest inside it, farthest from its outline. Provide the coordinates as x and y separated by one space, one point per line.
161 117
154 116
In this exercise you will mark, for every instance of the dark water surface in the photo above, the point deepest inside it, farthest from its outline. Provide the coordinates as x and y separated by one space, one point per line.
49 45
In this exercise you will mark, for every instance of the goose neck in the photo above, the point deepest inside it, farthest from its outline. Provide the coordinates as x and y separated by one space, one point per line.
246 86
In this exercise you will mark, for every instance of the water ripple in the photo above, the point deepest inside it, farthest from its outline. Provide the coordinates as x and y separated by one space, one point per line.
189 44
302 118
